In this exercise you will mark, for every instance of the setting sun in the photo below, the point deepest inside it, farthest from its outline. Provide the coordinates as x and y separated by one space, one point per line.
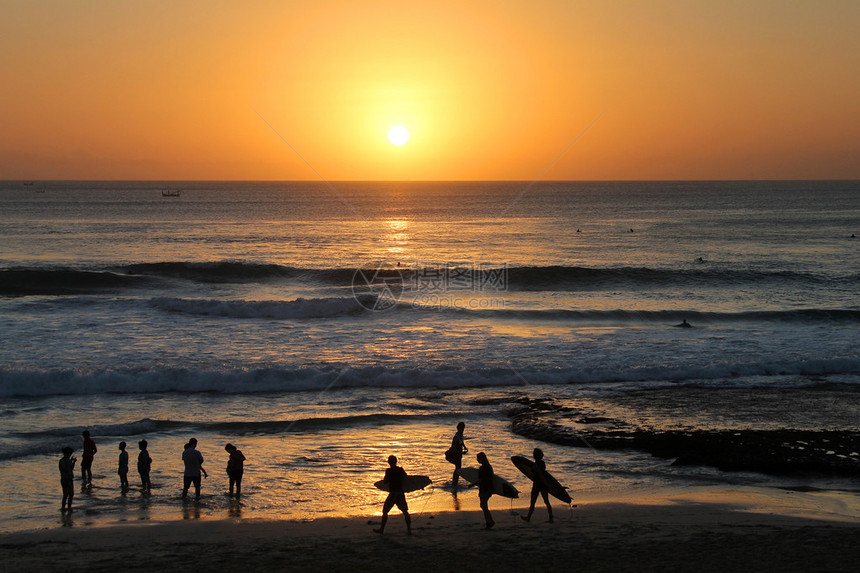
398 135
491 92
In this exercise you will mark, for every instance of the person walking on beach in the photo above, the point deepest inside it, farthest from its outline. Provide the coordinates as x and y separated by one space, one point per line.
144 464
539 486
235 468
394 476
122 469
87 459
456 451
67 478
193 468
485 487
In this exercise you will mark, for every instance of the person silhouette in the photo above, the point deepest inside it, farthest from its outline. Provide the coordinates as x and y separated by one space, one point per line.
122 468
485 487
87 459
144 464
193 468
67 478
539 486
456 451
684 324
235 468
394 478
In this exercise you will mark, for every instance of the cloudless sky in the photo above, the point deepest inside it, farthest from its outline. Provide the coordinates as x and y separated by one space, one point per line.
496 89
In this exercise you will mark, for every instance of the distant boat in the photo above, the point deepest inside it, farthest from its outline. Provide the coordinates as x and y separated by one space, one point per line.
171 192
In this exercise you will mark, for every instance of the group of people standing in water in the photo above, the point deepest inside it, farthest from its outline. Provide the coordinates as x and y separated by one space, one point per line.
192 459
395 476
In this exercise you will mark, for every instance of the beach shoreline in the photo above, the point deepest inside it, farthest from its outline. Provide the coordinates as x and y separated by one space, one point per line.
686 532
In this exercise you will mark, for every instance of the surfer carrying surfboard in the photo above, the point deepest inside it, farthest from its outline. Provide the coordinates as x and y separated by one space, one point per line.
539 486
394 477
486 486
456 451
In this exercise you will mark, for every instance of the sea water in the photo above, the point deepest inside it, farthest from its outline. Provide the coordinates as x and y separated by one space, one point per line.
321 327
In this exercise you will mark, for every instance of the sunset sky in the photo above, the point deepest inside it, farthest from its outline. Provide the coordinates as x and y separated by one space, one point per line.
496 89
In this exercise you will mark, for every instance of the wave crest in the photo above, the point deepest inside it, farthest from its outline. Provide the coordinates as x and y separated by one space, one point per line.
20 382
270 309
24 281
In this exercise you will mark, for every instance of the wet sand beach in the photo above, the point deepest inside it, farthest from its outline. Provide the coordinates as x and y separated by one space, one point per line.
644 535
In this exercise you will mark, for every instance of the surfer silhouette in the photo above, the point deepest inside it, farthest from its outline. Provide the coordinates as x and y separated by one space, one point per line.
539 486
87 459
67 478
122 468
456 451
485 487
144 463
684 324
394 477
193 468
235 468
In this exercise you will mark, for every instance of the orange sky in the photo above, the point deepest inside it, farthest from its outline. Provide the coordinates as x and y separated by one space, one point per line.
686 89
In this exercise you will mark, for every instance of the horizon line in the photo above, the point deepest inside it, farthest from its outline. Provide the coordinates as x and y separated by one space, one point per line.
706 180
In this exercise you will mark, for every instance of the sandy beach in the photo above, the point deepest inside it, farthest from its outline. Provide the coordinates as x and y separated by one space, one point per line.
684 534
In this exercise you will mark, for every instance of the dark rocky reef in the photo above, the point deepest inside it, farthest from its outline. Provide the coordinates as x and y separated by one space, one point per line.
776 452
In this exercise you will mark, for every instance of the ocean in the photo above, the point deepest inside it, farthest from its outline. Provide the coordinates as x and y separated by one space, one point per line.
321 327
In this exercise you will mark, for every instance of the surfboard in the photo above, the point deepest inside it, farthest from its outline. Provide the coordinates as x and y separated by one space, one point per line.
554 488
410 483
501 486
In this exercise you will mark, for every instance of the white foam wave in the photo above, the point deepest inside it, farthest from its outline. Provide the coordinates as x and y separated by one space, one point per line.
173 379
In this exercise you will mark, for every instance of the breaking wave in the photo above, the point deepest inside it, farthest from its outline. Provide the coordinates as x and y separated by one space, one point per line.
35 382
59 281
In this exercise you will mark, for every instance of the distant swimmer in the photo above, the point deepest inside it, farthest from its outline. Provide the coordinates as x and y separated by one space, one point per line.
394 477
852 236
630 231
700 260
684 324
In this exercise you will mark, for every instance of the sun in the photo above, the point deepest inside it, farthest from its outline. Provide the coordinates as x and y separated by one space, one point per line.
398 135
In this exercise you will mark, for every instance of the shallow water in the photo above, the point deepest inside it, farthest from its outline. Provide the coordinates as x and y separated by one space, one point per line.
239 312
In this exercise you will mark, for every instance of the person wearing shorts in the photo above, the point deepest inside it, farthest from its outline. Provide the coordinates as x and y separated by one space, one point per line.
394 476
193 468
